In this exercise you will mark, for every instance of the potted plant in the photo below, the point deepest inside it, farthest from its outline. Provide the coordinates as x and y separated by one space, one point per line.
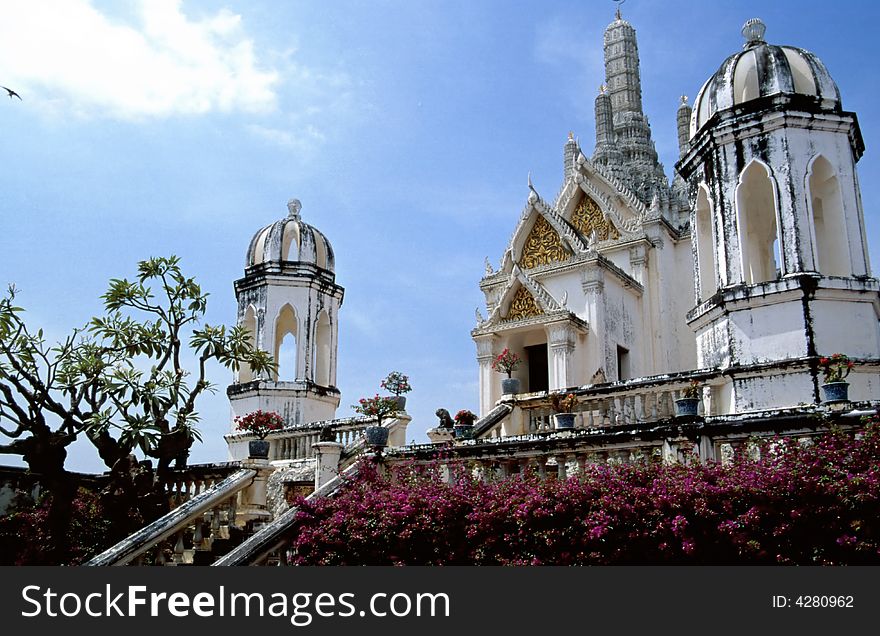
378 407
259 423
397 384
689 403
507 362
836 368
464 424
563 404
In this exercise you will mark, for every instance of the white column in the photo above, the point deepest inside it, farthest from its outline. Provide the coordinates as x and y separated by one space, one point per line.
326 461
485 355
561 339
593 285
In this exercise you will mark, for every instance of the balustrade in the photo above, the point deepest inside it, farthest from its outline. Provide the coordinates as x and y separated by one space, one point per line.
296 443
194 532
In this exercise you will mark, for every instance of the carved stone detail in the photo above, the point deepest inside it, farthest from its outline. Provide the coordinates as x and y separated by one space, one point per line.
560 336
543 246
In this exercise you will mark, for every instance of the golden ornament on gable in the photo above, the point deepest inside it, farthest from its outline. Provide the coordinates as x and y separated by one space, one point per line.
523 305
588 218
543 246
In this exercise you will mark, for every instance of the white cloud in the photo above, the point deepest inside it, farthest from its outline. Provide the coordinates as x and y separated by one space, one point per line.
66 54
299 140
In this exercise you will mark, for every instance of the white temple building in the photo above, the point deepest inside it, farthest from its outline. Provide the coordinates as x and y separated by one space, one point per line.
753 262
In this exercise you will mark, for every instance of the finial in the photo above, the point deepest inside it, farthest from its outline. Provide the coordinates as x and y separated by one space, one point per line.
753 31
603 89
684 100
570 136
293 208
617 13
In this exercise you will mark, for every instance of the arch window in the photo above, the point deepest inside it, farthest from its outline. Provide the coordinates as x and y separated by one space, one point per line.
705 246
829 225
290 242
758 227
322 350
285 344
249 322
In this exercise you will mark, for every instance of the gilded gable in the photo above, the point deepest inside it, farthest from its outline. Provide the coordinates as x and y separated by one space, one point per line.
543 246
523 305
588 218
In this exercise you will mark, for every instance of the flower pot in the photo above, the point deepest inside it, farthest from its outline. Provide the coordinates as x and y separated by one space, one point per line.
836 391
564 420
401 402
687 407
463 431
510 386
258 449
376 436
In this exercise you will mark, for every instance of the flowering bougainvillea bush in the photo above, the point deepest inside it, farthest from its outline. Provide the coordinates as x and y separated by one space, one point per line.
797 503
259 423
25 534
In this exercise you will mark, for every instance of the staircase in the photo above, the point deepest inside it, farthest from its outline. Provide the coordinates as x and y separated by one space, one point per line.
219 514
196 532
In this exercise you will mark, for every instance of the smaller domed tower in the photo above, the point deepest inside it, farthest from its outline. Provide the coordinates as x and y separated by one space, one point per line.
289 301
780 252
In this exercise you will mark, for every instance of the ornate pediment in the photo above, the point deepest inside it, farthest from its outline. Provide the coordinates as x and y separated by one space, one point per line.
523 305
542 246
587 218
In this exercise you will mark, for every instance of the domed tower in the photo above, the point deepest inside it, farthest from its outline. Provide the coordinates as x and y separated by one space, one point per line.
779 243
289 301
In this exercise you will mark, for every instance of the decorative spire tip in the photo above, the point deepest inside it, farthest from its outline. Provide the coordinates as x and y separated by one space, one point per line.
753 31
293 208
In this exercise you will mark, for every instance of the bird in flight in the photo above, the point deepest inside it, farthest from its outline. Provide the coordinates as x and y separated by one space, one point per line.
11 92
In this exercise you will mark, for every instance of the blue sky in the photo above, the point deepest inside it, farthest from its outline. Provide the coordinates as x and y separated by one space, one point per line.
406 128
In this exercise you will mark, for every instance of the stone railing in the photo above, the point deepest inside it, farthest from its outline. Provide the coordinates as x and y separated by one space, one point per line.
297 442
640 401
673 440
185 483
263 545
192 533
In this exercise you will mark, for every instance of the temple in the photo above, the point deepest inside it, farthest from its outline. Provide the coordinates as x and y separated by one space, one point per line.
678 320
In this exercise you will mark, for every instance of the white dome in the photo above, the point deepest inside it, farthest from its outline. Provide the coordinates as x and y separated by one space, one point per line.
761 70
290 239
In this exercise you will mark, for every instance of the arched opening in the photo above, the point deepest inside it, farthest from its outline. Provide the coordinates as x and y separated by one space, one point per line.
290 242
745 79
320 252
285 344
322 350
249 322
829 225
705 246
758 229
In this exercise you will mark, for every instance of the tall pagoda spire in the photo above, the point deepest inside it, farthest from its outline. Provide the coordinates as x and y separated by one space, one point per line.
623 144
622 66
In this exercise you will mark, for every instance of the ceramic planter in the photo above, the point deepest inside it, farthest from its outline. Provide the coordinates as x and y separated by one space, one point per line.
836 391
564 420
510 386
258 449
687 407
376 436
